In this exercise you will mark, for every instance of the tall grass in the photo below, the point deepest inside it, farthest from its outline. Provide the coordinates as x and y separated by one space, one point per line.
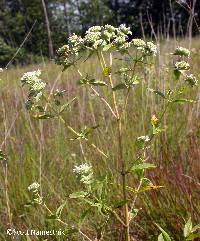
47 149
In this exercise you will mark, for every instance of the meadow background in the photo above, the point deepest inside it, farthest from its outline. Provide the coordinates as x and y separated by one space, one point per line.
45 149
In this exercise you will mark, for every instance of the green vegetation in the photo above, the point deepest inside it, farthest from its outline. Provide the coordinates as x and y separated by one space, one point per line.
40 147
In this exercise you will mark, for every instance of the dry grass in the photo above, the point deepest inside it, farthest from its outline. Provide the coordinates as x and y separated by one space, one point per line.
46 147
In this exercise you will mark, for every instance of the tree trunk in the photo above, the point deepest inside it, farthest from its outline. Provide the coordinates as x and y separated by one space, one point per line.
190 22
68 27
50 44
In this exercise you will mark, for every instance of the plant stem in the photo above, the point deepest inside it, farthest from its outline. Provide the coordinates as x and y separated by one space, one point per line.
123 172
122 162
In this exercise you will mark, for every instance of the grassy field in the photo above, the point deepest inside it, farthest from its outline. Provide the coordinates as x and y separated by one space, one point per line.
43 151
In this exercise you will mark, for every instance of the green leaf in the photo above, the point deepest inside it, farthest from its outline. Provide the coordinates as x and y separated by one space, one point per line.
142 166
80 194
193 236
157 130
165 235
107 47
123 70
119 204
187 228
182 101
157 92
88 130
65 106
177 73
160 237
195 228
66 66
60 209
134 212
43 116
120 86
2 156
97 82
86 81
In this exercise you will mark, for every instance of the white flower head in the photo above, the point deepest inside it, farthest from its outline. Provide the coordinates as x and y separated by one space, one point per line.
84 172
182 65
125 30
182 52
191 80
82 169
138 43
35 84
110 28
151 48
148 48
143 138
32 76
34 187
94 29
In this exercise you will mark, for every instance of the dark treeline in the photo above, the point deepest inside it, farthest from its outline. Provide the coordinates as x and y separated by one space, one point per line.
55 20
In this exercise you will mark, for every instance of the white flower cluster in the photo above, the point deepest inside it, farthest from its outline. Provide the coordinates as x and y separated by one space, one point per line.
191 80
84 172
182 52
99 36
34 187
148 48
143 138
182 65
142 141
95 37
36 85
77 43
104 37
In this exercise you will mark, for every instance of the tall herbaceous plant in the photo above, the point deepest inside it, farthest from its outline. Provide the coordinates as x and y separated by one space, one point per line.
121 59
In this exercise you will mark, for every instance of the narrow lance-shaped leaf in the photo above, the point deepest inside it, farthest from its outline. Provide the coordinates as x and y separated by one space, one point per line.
86 81
80 194
43 116
182 101
187 228
160 237
193 236
120 86
60 209
157 92
65 106
165 235
142 166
